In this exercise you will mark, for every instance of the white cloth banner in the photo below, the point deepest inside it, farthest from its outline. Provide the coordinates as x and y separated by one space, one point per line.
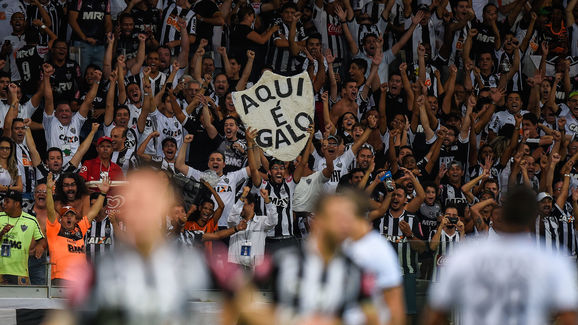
281 109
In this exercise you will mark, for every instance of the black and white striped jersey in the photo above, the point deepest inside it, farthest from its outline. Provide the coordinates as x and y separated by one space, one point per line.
126 159
171 30
280 58
156 82
389 228
331 33
27 170
282 198
453 195
566 229
546 231
304 285
99 239
191 238
445 247
57 18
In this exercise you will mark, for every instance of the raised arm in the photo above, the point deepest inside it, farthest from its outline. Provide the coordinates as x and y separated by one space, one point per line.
360 141
331 75
34 155
141 151
180 161
220 204
183 58
47 71
407 35
251 146
84 146
207 120
103 188
450 86
110 94
242 84
87 103
300 168
413 205
226 64
50 209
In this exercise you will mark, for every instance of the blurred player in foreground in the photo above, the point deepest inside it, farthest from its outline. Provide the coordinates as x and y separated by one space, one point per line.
508 279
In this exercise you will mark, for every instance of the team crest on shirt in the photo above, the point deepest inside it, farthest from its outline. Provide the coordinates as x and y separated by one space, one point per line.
61 127
339 164
68 75
176 124
308 181
73 130
23 227
226 180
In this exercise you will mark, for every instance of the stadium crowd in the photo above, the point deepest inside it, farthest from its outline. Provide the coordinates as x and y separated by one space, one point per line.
432 108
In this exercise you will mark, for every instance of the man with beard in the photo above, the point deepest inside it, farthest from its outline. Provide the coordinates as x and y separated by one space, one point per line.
156 78
341 160
401 227
228 183
233 148
13 42
122 155
513 107
54 157
102 166
71 190
546 228
62 126
221 84
37 265
164 162
126 40
66 234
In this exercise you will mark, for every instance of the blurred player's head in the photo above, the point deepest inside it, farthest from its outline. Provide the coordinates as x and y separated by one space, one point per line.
520 208
148 198
335 216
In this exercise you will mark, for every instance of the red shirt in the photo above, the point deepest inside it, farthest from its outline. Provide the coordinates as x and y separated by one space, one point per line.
91 170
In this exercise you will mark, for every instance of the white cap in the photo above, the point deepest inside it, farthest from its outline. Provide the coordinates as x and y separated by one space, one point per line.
543 195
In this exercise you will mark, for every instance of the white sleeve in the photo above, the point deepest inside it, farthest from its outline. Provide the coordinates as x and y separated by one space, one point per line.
194 174
27 110
271 220
238 175
46 121
390 276
348 157
235 214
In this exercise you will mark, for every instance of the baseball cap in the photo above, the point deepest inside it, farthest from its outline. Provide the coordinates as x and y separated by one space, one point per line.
102 139
65 209
572 94
332 137
14 195
543 195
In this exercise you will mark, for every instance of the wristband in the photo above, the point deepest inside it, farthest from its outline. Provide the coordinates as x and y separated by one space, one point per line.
235 229
567 175
43 26
103 194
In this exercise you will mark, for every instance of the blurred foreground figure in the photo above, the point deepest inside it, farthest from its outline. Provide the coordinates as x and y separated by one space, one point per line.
315 283
147 280
508 279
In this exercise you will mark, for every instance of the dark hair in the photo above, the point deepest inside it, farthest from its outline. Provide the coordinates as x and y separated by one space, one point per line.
316 36
244 11
361 63
487 192
18 119
251 198
288 5
230 117
520 206
531 117
119 107
49 150
81 189
166 140
124 15
218 152
487 6
431 184
451 206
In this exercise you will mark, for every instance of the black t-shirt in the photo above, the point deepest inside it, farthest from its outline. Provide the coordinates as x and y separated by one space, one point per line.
127 45
396 105
29 63
485 40
202 145
455 151
65 80
91 14
205 9
428 216
145 20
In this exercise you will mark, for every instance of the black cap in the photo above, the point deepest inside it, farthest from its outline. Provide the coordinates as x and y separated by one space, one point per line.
13 195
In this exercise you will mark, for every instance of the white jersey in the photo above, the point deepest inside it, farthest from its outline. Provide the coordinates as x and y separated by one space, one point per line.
24 111
65 137
340 168
168 127
376 256
226 188
529 286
